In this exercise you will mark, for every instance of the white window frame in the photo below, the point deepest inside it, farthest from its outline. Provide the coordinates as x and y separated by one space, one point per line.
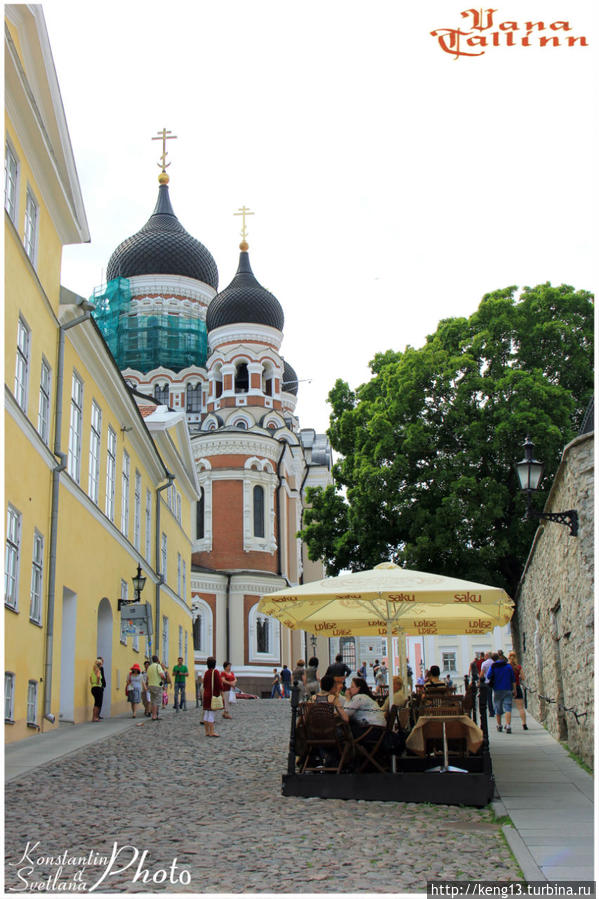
12 557
31 225
179 560
124 595
95 442
11 182
259 473
9 696
110 473
180 653
183 581
43 412
186 648
37 578
125 493
201 609
32 691
204 544
22 363
274 638
137 511
148 525
75 428
165 638
445 659
164 557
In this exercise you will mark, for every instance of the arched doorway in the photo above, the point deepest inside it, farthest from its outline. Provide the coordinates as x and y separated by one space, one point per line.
105 649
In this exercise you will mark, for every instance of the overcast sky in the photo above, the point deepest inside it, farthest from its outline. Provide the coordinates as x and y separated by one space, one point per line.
392 184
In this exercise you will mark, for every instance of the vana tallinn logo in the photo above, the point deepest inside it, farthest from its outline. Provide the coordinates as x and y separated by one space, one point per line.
484 33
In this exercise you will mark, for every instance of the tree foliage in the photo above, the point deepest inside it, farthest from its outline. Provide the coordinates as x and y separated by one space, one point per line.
427 447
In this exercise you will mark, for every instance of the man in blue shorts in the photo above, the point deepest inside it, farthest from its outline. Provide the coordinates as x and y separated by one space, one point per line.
503 683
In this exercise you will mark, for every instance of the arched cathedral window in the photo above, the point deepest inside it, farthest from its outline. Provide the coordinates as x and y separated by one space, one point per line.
242 378
161 392
258 511
200 515
194 398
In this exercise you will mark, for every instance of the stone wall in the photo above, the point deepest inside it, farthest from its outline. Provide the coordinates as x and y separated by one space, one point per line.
554 620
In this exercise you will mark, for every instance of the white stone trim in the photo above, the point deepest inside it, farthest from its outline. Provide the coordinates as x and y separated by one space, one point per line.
169 285
275 632
201 608
237 443
237 333
268 481
204 476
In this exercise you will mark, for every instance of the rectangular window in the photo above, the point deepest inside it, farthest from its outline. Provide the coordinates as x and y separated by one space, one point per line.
74 454
180 642
11 172
164 657
148 525
11 559
164 557
179 560
110 473
137 512
185 656
125 495
179 508
95 439
9 696
32 702
22 366
184 582
43 415
37 578
448 661
124 595
31 226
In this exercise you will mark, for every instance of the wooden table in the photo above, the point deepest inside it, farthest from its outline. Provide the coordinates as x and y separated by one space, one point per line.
456 726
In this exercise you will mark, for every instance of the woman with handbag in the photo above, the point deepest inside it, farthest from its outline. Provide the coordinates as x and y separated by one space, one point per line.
212 699
134 687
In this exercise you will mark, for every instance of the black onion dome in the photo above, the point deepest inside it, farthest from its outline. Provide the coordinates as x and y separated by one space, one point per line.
163 247
289 379
244 300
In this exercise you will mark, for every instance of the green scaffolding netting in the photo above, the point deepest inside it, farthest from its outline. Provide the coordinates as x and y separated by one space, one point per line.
146 341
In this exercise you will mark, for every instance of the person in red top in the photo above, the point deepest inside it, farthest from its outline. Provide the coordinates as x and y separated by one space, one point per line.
228 680
518 696
212 687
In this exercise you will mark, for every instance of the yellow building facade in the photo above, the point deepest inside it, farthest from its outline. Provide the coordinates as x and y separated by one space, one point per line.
94 484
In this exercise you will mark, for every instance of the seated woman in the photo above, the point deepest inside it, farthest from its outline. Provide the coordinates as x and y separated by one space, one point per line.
400 696
329 692
433 681
362 708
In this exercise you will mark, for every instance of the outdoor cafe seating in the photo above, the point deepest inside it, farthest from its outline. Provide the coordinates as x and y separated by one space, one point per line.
434 734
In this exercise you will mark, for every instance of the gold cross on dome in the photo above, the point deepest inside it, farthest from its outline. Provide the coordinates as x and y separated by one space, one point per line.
243 211
164 135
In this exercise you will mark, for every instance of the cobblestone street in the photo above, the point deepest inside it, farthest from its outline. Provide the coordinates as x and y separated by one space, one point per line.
216 806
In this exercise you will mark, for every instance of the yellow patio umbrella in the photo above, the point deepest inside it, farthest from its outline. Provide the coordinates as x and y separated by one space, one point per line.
390 601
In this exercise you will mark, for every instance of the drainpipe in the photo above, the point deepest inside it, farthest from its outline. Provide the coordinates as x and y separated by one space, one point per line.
54 510
161 580
278 506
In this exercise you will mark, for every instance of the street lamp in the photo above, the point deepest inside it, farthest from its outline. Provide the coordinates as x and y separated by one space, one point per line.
138 583
530 473
313 642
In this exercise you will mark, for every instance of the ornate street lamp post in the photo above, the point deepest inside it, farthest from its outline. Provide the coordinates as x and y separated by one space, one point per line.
530 473
139 583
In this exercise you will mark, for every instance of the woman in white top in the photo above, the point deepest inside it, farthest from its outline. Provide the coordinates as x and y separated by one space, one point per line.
362 708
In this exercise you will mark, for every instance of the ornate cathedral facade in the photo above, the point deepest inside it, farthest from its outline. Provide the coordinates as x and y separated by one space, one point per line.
182 344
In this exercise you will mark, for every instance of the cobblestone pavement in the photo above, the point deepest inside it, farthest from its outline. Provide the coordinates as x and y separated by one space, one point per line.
216 806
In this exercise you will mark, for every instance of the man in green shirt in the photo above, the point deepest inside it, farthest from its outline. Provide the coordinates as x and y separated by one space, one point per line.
180 671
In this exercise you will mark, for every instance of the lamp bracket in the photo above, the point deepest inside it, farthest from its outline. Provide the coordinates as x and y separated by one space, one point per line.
569 518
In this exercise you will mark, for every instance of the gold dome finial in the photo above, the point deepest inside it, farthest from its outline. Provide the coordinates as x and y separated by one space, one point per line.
243 211
164 135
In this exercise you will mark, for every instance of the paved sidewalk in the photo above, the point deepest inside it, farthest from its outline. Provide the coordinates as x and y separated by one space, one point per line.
25 755
549 799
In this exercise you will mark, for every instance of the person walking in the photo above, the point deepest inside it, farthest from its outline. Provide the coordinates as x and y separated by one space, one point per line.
146 690
228 680
95 680
484 679
276 685
503 682
212 688
155 675
299 675
363 671
286 681
518 696
134 687
339 670
312 684
181 673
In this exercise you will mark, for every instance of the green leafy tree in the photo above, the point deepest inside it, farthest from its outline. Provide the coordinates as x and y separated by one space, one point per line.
427 447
